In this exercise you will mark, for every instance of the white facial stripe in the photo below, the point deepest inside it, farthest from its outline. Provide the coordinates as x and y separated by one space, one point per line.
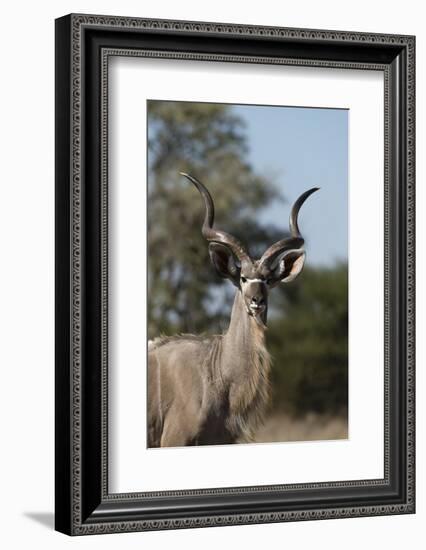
254 280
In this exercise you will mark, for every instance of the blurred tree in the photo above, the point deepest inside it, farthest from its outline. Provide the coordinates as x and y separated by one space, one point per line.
207 140
309 343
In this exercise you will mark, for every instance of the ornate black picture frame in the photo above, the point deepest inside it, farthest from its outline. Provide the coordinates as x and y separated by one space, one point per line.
83 45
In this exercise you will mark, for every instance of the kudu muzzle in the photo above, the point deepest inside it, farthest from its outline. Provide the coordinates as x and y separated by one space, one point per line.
255 296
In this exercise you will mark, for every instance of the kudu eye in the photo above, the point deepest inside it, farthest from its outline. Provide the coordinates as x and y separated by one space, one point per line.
243 280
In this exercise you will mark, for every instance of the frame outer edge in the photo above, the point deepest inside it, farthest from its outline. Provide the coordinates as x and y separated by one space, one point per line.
77 22
63 494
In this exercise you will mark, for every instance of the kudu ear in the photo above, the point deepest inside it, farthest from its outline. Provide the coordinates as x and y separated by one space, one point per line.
224 261
289 266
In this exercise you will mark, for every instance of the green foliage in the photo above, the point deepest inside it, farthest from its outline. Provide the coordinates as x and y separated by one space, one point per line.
308 339
307 334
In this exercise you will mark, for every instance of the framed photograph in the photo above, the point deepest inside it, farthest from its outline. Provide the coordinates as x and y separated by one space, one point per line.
234 274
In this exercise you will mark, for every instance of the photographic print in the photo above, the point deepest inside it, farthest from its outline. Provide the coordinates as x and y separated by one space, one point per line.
247 250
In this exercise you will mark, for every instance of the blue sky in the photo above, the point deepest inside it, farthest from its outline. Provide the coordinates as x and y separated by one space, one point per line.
300 148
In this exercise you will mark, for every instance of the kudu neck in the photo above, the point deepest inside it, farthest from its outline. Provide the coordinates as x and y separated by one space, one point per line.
243 336
245 366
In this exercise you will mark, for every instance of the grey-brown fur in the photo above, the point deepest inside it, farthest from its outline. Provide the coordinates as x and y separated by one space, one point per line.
214 389
209 390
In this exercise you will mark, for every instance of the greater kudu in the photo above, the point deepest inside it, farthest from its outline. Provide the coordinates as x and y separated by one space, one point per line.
213 390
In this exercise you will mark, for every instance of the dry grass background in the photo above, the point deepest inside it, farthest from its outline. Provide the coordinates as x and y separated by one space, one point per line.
311 427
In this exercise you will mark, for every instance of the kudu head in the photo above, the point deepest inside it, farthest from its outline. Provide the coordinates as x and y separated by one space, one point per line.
282 262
